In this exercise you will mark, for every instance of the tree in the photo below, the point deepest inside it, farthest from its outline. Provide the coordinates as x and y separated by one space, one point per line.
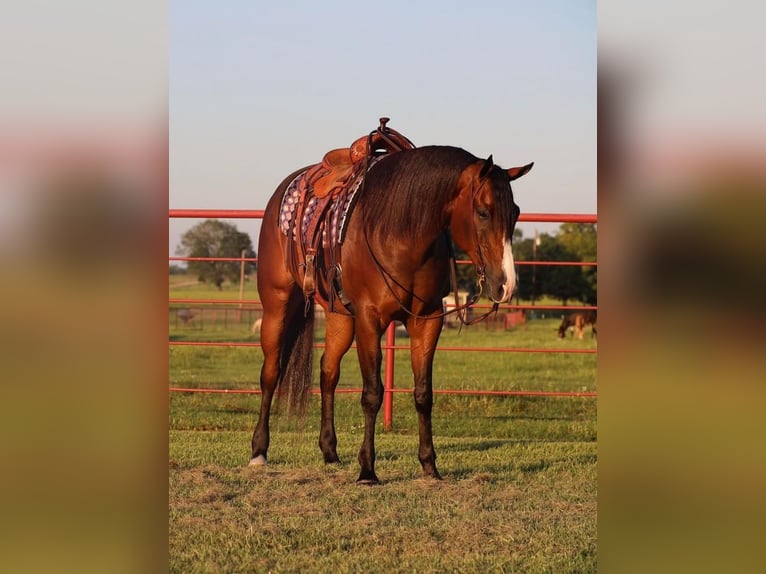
523 251
581 239
214 238
574 242
563 282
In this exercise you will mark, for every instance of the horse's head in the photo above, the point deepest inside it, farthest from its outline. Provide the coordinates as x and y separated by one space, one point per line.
482 220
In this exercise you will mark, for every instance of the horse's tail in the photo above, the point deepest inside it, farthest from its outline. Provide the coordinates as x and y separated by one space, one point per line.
297 361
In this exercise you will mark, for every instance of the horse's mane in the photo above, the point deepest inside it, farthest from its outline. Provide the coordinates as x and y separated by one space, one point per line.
403 191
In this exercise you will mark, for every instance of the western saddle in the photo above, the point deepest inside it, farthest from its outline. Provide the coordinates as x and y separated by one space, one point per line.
323 190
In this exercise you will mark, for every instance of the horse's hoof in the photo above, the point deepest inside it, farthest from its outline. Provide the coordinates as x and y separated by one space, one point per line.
259 460
368 479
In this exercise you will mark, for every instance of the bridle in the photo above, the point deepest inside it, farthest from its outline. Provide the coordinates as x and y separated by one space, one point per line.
459 310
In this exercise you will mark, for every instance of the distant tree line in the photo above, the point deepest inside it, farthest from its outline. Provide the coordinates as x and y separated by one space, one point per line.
572 242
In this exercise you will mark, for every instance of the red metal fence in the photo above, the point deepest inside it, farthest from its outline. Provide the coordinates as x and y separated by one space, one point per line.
390 346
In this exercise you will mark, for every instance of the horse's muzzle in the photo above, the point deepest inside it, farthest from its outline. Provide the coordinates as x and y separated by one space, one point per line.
502 290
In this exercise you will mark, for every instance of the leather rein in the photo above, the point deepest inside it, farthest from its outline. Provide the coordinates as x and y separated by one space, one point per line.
460 310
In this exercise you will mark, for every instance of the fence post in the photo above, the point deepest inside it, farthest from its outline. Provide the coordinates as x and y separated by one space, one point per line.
241 283
388 394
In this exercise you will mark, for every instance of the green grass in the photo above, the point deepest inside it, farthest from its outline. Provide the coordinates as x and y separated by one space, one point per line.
240 367
504 506
519 488
185 286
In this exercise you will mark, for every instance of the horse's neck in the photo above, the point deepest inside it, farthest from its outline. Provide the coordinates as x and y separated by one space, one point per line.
434 225
420 217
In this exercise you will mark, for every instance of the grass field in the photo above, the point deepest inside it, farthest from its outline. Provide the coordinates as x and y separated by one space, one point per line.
519 488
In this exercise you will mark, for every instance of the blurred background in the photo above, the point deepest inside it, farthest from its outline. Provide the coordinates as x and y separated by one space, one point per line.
681 191
83 220
83 229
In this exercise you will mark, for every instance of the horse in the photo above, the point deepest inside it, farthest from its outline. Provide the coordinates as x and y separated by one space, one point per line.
393 264
579 321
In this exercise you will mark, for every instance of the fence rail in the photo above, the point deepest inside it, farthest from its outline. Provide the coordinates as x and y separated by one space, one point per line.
389 347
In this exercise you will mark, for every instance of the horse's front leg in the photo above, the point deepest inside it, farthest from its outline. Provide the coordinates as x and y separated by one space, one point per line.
339 335
368 349
424 335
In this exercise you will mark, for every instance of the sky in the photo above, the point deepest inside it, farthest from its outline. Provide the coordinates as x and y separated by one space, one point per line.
259 89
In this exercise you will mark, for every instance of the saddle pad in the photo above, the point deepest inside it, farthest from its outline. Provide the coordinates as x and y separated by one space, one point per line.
290 203
338 211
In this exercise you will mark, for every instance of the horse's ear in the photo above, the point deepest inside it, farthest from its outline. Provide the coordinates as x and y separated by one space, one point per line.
517 172
488 163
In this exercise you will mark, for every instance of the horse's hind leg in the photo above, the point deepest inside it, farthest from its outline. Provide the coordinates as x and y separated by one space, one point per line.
278 307
340 334
424 335
272 329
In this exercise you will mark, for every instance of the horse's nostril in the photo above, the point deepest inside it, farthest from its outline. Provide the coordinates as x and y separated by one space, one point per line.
499 294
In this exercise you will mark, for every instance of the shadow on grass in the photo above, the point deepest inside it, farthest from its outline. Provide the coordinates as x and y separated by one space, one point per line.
523 417
577 460
470 446
500 472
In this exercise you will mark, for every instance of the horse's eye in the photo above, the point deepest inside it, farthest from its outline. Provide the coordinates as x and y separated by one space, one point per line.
483 214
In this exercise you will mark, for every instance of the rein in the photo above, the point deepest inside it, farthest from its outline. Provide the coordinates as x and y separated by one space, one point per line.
460 310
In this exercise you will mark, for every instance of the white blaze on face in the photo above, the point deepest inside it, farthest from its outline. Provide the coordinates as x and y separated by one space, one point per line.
509 270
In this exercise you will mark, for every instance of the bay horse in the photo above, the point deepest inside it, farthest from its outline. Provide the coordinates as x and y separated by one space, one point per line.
393 265
579 320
